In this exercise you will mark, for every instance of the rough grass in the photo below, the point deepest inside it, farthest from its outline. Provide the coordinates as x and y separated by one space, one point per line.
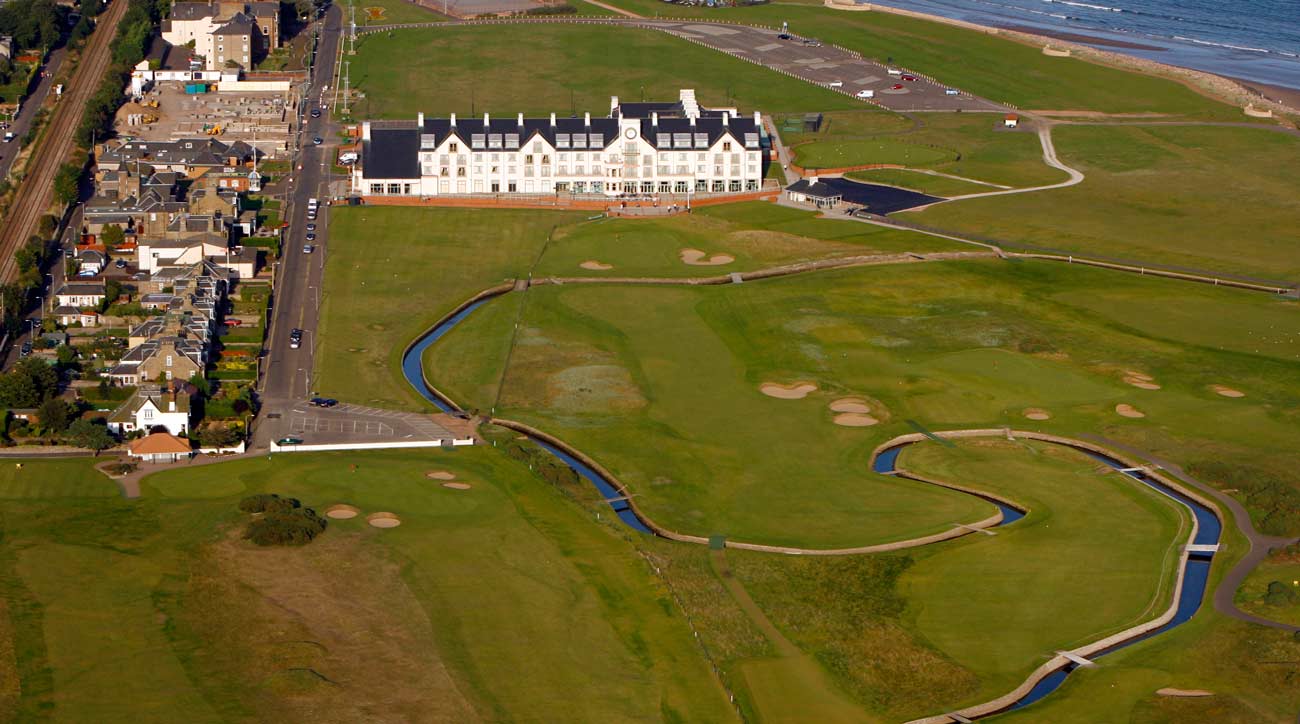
1222 199
501 602
570 69
922 182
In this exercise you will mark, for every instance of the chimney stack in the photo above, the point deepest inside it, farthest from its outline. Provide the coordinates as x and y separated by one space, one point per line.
654 118
758 120
725 116
486 120
365 131
419 120
586 119
521 120
453 120
552 120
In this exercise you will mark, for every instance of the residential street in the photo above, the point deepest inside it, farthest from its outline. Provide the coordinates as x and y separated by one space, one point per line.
21 124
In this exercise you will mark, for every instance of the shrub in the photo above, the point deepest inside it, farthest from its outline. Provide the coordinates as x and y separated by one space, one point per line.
266 503
1279 594
292 526
120 468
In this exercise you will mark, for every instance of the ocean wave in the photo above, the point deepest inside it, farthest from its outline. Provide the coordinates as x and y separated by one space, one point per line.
1223 45
1104 8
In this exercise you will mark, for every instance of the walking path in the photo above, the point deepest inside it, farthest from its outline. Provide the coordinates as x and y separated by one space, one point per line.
1049 158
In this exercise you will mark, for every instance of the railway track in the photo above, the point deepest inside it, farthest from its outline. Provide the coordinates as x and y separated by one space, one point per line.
35 190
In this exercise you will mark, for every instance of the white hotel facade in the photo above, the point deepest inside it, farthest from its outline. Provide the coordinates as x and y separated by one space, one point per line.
638 149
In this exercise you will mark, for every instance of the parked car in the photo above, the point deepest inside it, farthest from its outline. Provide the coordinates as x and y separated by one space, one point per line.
311 236
897 86
315 113
836 84
323 402
9 137
26 350
318 140
952 92
909 78
308 248
784 36
813 43
311 227
866 94
289 441
894 71
120 263
234 322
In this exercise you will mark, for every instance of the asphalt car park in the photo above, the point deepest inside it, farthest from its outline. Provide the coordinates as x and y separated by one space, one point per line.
877 198
826 65
346 423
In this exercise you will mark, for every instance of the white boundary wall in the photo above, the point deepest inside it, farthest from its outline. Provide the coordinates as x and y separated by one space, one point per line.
455 442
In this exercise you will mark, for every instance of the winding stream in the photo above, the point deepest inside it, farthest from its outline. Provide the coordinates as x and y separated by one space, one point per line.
1195 573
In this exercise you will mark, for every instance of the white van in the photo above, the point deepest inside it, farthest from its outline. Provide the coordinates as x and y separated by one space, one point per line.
313 202
895 71
836 84
866 94
952 92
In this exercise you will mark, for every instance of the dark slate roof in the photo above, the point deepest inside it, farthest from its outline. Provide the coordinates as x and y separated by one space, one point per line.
393 153
240 24
192 11
818 189
264 9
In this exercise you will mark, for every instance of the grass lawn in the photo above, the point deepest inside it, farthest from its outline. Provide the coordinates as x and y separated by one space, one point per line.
983 64
501 602
393 272
968 145
1104 539
756 234
571 69
917 181
1273 589
669 401
1212 198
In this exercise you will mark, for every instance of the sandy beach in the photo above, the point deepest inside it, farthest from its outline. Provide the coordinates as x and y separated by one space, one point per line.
1079 38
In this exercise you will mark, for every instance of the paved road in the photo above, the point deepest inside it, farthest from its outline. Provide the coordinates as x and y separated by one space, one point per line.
287 376
23 123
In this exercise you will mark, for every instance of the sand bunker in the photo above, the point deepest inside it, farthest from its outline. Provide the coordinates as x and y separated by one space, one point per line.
342 512
1129 411
1167 691
795 391
440 475
695 257
593 265
855 419
850 404
383 520
1037 413
1141 380
457 486
1227 391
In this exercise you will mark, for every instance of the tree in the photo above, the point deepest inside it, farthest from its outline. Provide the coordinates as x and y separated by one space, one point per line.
67 183
87 434
67 356
48 225
55 415
112 235
218 436
28 384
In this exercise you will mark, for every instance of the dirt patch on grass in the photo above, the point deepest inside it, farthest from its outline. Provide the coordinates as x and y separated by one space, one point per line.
593 388
1140 380
854 419
383 520
457 486
1037 413
851 404
695 257
374 13
1227 391
342 511
593 265
1126 410
328 632
440 475
792 391
1168 691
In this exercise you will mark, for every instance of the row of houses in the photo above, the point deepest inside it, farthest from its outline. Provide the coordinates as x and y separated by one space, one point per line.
674 147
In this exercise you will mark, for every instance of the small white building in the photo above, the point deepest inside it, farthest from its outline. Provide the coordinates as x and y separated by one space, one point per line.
80 294
160 447
150 407
639 149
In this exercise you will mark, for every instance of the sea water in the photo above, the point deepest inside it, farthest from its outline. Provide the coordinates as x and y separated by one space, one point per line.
1255 40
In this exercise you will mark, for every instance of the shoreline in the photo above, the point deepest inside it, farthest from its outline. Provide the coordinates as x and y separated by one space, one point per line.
1231 90
1076 37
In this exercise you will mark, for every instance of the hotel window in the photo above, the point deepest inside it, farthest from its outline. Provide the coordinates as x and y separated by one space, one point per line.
444 159
579 187
537 146
597 187
394 189
751 185
496 157
726 145
578 170
406 189
148 413
528 158
647 187
719 186
734 185
460 171
680 187
512 187
546 158
376 189
454 148
664 187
